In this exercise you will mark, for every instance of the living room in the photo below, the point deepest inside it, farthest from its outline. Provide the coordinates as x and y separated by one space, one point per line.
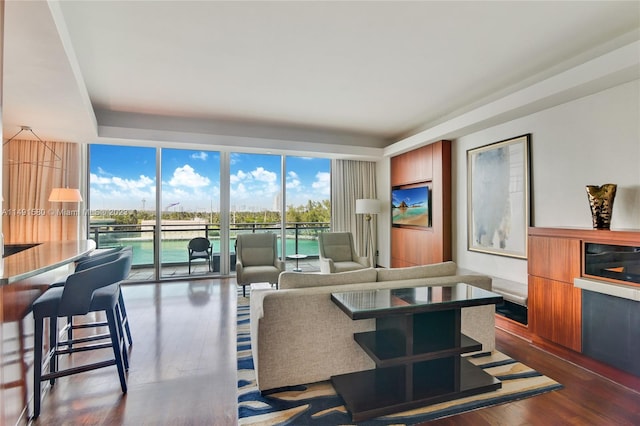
581 113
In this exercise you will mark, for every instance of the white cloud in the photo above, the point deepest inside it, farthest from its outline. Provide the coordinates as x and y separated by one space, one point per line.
129 184
322 184
262 175
238 177
123 184
187 176
200 156
103 171
99 180
293 181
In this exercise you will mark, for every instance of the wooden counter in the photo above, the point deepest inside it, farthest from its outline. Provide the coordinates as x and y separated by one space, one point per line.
42 258
24 276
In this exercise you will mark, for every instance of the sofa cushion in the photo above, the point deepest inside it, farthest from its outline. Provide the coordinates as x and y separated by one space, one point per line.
350 266
256 256
411 272
339 252
288 280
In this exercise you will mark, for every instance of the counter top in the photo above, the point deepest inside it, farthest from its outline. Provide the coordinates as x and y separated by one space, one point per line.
610 288
42 258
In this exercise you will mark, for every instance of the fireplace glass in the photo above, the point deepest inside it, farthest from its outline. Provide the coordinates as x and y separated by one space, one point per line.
615 262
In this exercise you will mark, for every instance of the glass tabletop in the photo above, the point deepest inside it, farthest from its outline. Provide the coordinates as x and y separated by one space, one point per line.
373 303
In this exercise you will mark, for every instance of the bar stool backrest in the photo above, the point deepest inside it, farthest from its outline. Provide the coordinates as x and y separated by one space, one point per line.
102 258
79 287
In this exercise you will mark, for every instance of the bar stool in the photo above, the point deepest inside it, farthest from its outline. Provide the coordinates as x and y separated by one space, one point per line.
89 262
91 290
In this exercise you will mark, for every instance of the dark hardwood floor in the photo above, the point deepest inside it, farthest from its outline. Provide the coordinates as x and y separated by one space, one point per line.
183 372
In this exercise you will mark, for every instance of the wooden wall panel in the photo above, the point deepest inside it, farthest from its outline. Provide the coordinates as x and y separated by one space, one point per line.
413 166
554 258
555 305
431 163
555 311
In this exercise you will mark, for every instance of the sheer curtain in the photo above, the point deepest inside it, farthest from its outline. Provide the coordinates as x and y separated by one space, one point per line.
352 180
30 171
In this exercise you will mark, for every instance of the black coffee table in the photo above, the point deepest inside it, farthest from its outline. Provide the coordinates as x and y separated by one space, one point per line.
417 348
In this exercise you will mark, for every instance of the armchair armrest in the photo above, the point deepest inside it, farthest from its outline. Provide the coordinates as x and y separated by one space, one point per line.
326 265
363 260
280 265
239 270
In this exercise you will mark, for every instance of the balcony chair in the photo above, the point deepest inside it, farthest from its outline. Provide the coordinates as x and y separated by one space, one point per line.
87 262
92 290
257 259
200 248
338 254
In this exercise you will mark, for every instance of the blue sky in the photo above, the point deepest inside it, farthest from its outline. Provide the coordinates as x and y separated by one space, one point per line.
124 177
418 195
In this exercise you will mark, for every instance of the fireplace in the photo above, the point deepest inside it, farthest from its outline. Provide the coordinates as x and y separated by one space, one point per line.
614 262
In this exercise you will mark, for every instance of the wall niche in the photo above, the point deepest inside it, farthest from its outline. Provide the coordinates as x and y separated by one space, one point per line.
431 164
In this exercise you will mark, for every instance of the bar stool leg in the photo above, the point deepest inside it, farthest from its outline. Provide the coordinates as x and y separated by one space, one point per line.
121 343
125 318
53 346
37 365
117 350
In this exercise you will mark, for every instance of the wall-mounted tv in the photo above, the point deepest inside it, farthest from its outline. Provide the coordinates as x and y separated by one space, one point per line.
410 206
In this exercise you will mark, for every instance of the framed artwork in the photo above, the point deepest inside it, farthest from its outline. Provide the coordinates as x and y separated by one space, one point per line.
498 197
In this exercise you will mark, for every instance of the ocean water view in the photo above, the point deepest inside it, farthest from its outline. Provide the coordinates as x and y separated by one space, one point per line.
175 251
411 216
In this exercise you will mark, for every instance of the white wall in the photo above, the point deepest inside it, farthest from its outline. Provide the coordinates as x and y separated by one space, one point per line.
589 141
383 183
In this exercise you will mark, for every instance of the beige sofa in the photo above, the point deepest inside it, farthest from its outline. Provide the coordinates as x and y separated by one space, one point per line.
298 335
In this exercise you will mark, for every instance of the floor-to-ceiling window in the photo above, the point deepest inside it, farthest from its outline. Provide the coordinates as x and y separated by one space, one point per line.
308 206
190 208
158 199
255 193
122 200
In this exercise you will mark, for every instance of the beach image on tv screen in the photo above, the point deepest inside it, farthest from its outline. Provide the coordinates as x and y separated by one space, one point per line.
410 206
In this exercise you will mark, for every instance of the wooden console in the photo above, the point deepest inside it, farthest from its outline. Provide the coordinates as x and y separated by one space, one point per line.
556 258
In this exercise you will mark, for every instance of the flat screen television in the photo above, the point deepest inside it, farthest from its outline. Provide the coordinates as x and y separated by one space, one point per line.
410 206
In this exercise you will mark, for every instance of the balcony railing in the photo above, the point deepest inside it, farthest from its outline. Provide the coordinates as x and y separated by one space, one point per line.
301 238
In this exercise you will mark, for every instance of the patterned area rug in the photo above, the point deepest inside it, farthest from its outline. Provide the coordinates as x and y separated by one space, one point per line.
318 403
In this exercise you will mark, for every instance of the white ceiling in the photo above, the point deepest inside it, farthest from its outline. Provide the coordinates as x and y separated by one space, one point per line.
356 73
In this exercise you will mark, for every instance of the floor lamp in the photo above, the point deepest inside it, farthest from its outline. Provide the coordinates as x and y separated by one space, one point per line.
368 207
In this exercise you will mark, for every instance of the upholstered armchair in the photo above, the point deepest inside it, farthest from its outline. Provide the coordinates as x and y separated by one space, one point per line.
257 259
338 254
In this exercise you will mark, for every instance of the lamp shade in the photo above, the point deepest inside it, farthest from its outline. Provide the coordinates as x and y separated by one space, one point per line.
367 206
65 195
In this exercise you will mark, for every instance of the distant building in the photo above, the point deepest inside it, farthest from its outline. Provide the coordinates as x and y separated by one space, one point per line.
178 229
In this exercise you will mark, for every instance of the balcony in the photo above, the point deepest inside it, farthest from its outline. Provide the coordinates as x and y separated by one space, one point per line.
301 238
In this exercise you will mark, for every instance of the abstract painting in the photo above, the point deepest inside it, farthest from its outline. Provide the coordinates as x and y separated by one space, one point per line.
498 197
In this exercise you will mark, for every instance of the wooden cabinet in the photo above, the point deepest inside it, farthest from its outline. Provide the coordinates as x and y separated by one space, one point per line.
555 259
554 304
